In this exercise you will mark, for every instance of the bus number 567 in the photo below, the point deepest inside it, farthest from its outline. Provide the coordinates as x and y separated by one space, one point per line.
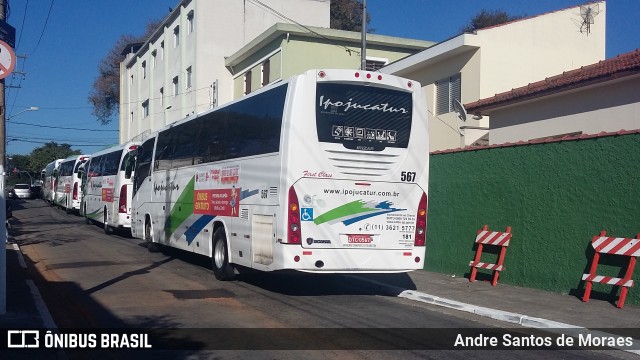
408 176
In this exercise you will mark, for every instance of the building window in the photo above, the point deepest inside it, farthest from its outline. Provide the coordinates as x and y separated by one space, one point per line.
145 108
144 69
131 116
247 82
154 59
176 36
190 22
131 80
162 97
162 50
447 90
176 89
266 69
189 77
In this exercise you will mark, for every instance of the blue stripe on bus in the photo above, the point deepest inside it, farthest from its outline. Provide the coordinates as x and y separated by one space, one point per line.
197 227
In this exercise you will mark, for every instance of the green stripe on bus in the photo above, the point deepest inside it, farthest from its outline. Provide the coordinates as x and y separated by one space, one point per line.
182 209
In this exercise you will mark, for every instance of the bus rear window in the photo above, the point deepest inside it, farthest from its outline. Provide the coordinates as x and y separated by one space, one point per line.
363 117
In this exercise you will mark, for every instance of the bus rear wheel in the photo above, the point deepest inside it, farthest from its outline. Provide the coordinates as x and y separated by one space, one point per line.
87 220
222 270
151 246
107 229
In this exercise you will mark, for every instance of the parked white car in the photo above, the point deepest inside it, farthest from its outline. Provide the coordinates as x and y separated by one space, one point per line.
21 191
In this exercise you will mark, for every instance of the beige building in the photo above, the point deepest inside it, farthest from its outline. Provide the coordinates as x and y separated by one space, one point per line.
181 69
601 97
285 50
477 65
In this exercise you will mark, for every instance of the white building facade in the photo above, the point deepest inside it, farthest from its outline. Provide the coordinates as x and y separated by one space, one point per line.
180 70
492 60
601 97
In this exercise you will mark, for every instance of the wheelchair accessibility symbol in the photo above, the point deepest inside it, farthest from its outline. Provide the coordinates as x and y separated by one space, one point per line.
307 214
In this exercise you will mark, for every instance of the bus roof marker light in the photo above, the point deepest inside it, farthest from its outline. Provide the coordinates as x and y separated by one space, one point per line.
322 74
379 77
357 75
409 84
368 76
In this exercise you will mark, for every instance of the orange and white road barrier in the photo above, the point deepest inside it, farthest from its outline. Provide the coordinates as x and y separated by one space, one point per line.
492 238
604 244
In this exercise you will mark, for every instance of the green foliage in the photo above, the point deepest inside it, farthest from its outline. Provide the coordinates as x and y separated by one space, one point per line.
41 156
105 92
486 18
347 15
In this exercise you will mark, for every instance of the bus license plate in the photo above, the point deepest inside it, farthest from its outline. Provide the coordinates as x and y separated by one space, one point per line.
359 238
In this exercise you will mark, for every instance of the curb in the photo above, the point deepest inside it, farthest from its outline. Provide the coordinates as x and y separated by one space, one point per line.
500 315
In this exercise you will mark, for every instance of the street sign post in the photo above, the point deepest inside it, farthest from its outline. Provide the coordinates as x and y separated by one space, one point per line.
7 34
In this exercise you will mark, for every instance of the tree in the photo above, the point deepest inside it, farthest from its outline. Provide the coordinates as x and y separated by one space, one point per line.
105 93
486 18
347 15
40 157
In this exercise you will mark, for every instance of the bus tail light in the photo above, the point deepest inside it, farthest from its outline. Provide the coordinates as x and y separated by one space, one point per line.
421 222
294 235
75 191
122 202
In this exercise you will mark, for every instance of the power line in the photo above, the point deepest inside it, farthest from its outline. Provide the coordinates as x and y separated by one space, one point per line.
59 127
46 142
284 17
24 19
43 28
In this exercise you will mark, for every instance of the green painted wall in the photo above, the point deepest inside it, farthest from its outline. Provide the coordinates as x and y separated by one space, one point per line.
555 196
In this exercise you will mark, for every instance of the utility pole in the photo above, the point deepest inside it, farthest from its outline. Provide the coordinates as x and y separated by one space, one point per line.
363 47
3 201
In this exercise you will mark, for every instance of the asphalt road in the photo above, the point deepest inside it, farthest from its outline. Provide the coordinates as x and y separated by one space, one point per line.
90 280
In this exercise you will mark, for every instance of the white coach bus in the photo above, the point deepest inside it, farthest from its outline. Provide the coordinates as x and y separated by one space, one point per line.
326 172
48 178
67 187
107 193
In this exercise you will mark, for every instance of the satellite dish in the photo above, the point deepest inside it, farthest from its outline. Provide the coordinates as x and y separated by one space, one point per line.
462 113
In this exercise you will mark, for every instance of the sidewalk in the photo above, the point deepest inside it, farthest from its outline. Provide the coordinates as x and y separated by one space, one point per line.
556 309
22 310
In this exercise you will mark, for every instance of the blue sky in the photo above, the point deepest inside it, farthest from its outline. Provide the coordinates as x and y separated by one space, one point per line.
64 41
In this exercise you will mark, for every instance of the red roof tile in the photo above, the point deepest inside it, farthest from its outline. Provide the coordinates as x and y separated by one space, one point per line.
620 66
539 141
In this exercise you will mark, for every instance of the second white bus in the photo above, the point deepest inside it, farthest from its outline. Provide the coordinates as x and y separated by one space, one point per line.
326 172
67 187
107 193
48 178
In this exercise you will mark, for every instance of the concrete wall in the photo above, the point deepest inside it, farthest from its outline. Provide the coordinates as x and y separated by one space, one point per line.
611 106
529 50
555 196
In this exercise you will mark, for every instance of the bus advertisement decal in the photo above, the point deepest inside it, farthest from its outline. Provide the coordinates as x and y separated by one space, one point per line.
217 202
355 211
107 194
